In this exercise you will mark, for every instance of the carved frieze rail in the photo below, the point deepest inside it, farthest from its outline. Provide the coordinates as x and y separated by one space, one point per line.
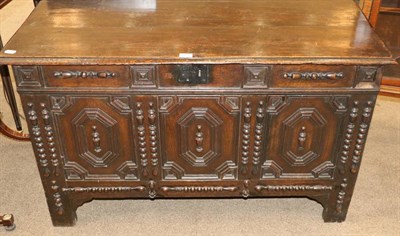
313 75
199 189
293 187
84 74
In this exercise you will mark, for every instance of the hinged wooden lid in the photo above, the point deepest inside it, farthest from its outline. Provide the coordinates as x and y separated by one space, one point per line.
162 31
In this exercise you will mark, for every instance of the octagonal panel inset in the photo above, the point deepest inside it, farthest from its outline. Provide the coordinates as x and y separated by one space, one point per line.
302 130
303 136
200 137
99 154
200 130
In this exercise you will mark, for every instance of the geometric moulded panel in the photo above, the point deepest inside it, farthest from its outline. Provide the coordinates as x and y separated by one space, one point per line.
200 157
298 149
301 140
84 132
98 134
196 148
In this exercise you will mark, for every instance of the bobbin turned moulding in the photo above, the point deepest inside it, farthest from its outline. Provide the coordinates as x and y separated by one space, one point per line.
261 105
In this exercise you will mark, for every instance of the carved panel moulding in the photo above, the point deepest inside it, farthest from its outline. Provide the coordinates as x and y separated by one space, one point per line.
103 189
58 103
231 104
324 170
199 137
84 74
258 137
313 75
152 189
361 136
127 170
340 103
153 138
246 137
172 171
143 76
213 123
142 138
96 139
50 140
293 187
96 156
367 77
38 140
271 169
256 76
227 170
246 190
299 157
341 195
302 138
57 198
199 189
349 136
276 104
28 76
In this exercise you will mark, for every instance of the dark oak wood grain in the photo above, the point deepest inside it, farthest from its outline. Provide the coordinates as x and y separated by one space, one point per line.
121 32
276 101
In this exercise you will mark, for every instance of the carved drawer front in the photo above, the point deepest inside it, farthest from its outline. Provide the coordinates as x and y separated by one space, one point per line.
303 136
289 76
86 76
97 137
199 137
198 76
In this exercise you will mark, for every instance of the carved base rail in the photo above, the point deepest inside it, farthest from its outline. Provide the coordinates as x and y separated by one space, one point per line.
199 189
103 189
293 187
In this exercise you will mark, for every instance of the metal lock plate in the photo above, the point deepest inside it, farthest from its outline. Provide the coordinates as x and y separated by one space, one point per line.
192 74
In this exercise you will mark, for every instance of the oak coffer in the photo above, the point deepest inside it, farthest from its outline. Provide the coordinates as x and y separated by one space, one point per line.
186 99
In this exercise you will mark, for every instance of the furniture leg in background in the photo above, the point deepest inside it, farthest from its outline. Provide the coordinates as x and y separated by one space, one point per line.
9 94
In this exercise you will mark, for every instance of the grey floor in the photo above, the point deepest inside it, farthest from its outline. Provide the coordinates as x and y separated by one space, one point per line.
375 208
